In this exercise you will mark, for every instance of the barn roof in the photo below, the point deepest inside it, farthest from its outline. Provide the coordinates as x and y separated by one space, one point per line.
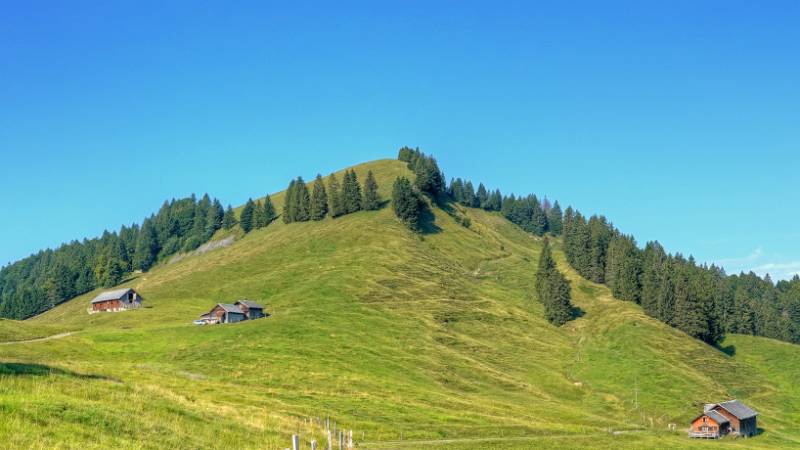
719 418
716 416
738 409
250 304
111 295
231 308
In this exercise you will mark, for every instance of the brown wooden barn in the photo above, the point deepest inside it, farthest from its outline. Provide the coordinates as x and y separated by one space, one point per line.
719 419
224 313
118 300
251 309
232 313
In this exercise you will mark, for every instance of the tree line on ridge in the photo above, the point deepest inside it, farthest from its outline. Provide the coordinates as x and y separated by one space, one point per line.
700 300
39 282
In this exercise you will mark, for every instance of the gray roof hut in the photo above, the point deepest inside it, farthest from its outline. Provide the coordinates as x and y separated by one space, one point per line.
116 300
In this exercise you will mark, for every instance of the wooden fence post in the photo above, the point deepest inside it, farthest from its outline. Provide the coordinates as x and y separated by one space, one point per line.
330 440
295 442
313 445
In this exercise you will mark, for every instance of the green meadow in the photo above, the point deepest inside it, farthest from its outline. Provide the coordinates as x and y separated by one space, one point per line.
432 340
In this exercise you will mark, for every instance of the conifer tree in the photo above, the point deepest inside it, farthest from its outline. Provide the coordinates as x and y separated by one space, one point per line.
405 154
200 227
319 200
372 200
268 211
553 289
666 294
229 219
146 247
495 202
538 219
351 193
600 235
302 200
246 221
335 196
482 196
120 253
457 190
469 195
259 219
624 268
690 316
555 220
508 206
215 216
653 261
290 203
406 203
428 176
114 273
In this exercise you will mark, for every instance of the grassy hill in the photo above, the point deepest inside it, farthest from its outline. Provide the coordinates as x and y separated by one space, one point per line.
412 341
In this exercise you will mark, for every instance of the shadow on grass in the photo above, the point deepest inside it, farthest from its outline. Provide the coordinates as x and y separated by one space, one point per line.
427 222
729 350
28 370
576 313
445 203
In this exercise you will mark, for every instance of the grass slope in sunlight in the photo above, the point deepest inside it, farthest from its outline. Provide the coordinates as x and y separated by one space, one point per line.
412 341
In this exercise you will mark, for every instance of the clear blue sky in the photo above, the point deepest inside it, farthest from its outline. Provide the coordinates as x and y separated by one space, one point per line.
678 120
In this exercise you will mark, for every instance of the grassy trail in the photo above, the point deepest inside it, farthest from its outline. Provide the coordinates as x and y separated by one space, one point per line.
41 339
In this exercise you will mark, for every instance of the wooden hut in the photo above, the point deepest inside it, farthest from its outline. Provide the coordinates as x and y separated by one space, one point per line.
118 300
709 425
742 418
251 309
225 313
718 419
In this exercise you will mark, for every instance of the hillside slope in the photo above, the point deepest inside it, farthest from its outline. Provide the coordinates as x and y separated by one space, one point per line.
412 341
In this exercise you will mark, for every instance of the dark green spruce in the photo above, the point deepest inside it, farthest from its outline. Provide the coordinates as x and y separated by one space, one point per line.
246 218
553 289
406 203
319 199
372 200
335 196
229 219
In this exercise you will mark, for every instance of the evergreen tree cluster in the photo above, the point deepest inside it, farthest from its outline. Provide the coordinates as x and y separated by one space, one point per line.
297 202
464 193
407 203
700 300
528 212
229 219
428 177
39 282
532 215
335 199
254 215
553 289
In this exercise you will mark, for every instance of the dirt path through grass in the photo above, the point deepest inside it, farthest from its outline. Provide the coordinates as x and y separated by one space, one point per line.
431 442
41 339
